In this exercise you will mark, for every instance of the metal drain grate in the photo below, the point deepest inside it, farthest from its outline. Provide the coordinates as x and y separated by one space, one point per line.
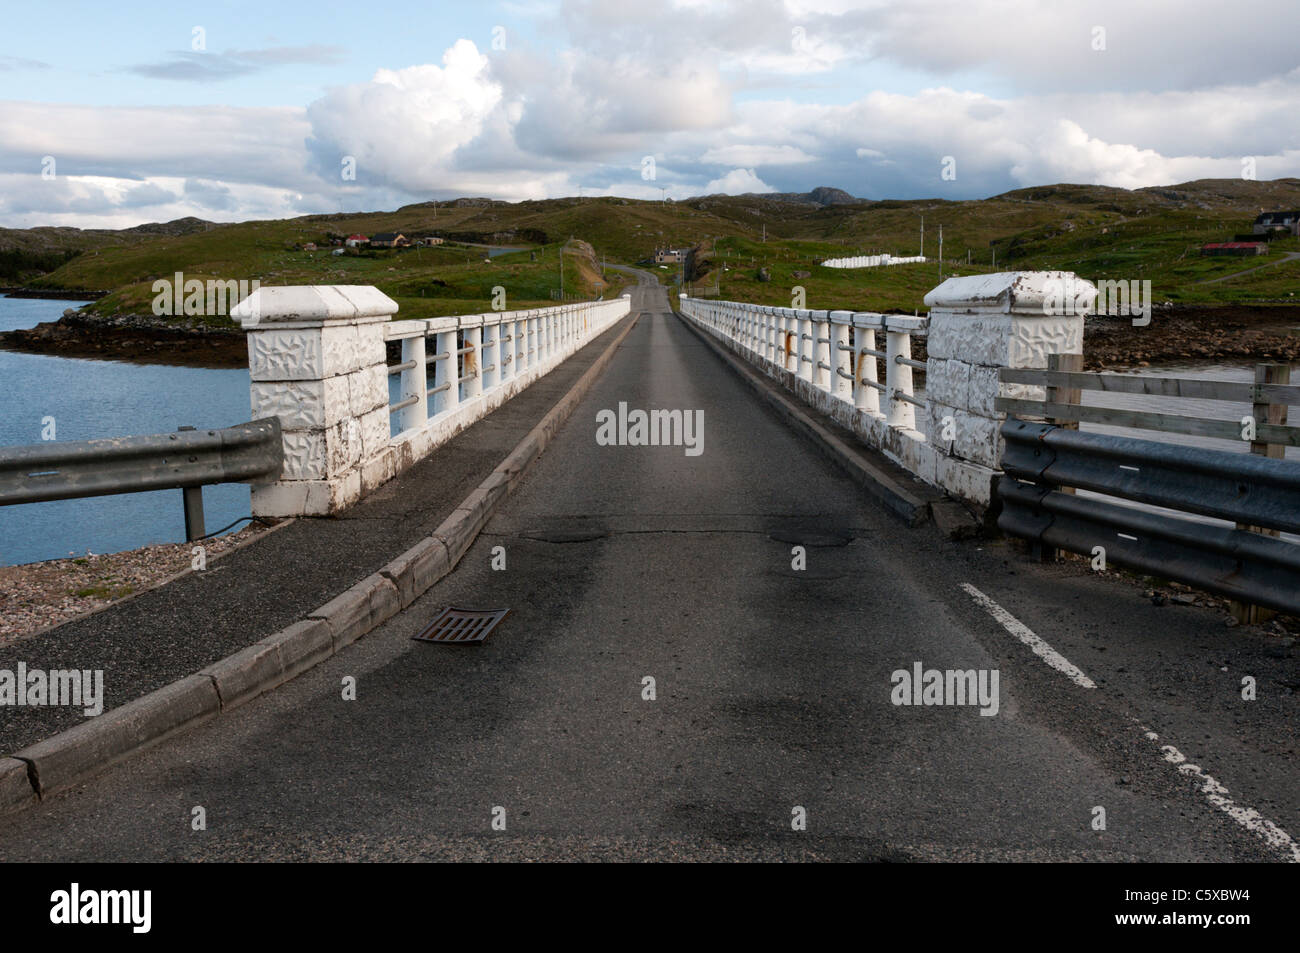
461 625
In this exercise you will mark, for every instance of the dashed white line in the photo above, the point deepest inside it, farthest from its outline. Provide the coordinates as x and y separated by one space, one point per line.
1026 635
1217 794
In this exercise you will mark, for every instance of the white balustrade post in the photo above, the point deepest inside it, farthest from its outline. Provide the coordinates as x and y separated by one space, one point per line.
413 384
317 360
841 357
866 397
473 363
821 351
445 371
803 366
898 379
491 351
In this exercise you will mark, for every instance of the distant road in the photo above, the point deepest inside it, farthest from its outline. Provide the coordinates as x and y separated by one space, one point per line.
1288 256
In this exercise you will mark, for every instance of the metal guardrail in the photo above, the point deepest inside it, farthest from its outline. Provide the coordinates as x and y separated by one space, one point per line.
1247 489
188 460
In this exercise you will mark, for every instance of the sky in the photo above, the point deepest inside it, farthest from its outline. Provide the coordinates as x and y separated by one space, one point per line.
112 115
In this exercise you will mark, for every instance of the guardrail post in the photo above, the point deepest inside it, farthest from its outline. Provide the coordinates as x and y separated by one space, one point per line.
979 324
317 360
1263 412
192 500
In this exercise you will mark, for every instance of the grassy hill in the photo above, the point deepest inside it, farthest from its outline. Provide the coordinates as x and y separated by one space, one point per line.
1096 231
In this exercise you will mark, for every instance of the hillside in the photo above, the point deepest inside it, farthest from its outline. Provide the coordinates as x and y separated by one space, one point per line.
1097 231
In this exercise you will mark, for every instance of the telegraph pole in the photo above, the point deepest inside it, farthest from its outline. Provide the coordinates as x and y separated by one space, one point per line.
922 236
941 252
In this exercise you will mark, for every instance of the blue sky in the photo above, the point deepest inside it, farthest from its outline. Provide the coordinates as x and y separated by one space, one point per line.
109 115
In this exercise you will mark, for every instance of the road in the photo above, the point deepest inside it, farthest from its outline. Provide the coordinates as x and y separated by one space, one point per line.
772 696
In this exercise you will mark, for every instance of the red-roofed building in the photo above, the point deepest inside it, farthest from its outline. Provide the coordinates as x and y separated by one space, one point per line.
352 241
1235 248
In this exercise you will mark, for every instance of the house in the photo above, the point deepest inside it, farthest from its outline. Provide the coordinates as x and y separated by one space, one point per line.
388 240
352 241
431 240
669 256
1234 248
1270 221
310 246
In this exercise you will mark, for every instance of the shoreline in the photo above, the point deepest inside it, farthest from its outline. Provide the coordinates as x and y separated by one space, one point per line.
136 339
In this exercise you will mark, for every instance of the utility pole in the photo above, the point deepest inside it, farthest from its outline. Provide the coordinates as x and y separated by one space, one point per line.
922 236
941 252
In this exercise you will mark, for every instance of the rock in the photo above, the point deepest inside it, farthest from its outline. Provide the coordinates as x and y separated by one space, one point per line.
764 275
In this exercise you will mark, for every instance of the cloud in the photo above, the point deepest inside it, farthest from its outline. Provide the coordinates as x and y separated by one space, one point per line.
204 67
754 154
738 182
18 63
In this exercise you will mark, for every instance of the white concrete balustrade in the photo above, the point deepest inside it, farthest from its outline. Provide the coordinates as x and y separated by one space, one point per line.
975 326
317 360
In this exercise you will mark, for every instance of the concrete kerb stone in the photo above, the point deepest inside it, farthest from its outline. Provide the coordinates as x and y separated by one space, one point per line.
16 790
270 662
72 756
356 611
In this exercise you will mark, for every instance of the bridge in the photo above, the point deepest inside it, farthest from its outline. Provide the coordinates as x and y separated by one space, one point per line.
758 608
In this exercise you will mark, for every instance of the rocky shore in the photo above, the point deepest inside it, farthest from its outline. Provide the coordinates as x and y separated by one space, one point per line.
142 339
1226 333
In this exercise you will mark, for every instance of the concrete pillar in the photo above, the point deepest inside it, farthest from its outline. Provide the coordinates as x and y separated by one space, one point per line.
472 363
445 370
841 359
979 324
821 351
866 397
317 360
898 379
413 384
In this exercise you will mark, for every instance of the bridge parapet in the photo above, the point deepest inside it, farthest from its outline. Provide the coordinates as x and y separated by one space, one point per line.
318 361
976 325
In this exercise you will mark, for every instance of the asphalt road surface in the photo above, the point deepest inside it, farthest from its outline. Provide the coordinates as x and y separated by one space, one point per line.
772 687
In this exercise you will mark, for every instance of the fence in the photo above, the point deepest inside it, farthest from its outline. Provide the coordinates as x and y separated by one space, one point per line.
318 361
1259 492
188 459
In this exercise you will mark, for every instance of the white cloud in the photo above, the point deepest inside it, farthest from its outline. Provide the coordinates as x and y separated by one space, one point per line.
753 155
737 182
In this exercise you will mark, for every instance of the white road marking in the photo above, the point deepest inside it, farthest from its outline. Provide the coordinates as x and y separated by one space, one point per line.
1217 795
1026 635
